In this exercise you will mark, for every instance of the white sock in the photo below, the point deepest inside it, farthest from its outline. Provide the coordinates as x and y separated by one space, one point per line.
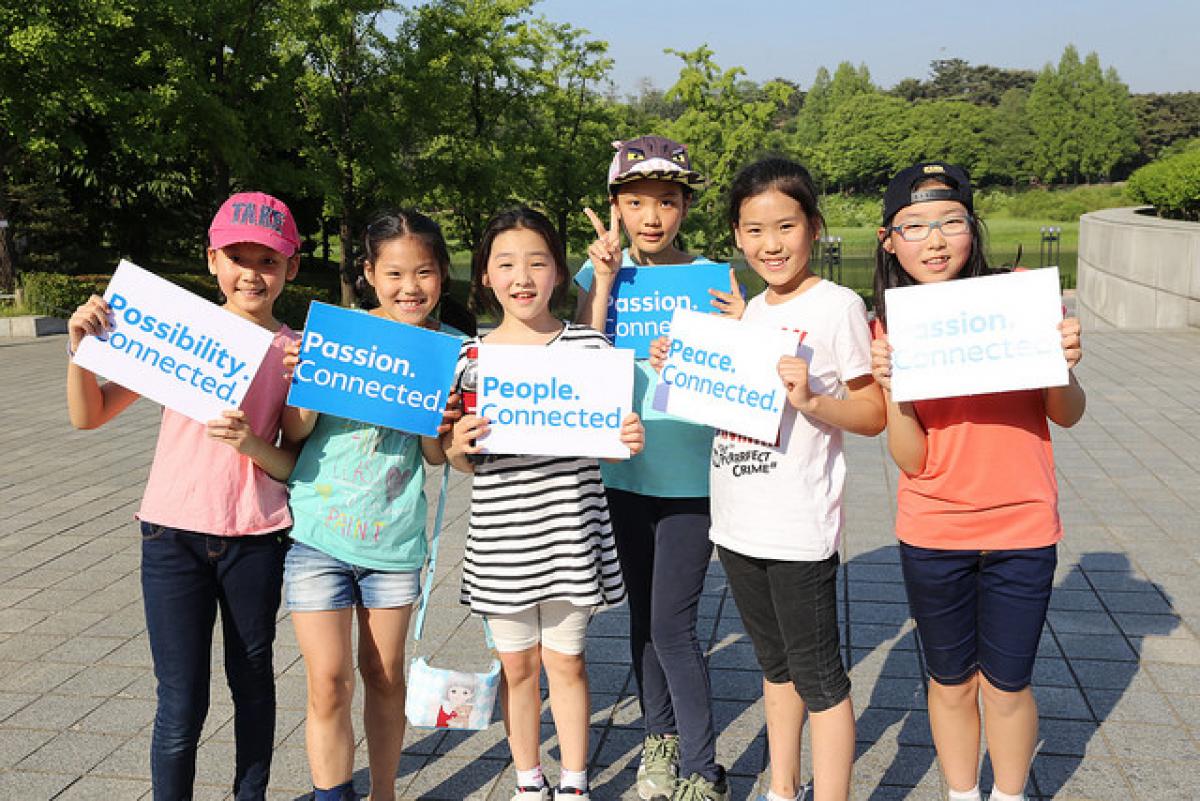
966 795
573 778
773 796
1000 795
530 778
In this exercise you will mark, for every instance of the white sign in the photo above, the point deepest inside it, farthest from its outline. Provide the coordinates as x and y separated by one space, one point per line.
173 347
553 402
976 335
725 373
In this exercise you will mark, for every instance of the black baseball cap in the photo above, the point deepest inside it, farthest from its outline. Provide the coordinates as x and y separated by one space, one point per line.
901 194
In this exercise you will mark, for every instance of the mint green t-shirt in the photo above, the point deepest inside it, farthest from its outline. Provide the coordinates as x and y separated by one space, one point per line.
358 493
674 463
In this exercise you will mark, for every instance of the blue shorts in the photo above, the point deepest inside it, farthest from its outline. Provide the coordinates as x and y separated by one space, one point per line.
979 610
314 581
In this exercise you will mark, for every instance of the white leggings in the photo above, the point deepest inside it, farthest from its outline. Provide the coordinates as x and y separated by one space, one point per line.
558 625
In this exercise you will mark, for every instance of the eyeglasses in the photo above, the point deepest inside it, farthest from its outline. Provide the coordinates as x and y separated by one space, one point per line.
920 231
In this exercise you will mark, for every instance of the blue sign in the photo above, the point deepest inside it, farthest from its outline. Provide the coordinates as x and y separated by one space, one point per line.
644 298
374 370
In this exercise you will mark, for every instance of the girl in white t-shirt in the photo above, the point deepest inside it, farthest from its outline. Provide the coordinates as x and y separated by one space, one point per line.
777 507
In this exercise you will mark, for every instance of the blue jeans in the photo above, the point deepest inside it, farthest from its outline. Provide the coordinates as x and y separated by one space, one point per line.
664 601
186 577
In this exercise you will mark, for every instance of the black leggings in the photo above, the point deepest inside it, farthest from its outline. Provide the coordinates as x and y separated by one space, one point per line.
664 550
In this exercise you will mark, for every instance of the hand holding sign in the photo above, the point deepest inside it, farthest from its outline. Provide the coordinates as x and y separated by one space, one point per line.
605 252
793 370
881 362
93 318
1071 342
731 303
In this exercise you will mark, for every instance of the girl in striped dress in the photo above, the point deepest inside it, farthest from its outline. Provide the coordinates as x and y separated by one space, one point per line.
540 555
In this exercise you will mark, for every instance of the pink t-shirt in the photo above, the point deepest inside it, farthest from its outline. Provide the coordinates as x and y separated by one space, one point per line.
202 485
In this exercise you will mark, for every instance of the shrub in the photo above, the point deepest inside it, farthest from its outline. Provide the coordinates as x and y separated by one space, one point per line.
1171 185
58 295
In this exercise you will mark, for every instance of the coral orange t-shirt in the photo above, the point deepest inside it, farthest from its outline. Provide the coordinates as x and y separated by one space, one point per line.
988 481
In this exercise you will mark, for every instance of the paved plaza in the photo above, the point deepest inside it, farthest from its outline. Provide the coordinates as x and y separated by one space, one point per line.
1118 681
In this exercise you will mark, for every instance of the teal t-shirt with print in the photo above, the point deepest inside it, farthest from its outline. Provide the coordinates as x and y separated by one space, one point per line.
674 463
358 493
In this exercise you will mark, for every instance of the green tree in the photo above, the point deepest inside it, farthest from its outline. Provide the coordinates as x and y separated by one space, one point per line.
570 125
1009 139
1082 120
723 129
867 138
954 131
348 122
1164 119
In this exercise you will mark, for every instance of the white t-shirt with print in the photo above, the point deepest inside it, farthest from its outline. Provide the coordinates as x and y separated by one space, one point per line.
784 500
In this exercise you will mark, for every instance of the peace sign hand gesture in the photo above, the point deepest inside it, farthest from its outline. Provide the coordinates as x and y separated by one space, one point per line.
605 252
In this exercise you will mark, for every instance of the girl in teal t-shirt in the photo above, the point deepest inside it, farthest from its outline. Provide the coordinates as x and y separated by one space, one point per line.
358 500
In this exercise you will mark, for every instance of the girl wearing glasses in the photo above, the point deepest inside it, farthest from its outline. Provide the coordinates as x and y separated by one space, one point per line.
977 509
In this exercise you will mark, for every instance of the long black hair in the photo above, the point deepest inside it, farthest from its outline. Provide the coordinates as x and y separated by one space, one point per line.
890 274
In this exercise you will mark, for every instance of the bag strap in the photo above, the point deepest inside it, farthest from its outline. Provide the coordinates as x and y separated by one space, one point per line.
431 563
431 560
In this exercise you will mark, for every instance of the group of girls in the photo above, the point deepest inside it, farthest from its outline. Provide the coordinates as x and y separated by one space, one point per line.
551 539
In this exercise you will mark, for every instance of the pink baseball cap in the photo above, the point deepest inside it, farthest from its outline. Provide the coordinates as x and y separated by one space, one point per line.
255 217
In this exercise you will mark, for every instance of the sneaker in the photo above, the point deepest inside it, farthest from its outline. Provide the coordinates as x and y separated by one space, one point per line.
760 793
533 793
571 794
660 765
698 788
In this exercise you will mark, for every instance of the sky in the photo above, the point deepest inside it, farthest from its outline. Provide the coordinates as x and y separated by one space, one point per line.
1153 44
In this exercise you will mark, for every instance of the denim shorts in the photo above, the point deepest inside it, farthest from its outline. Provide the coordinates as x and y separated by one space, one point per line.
314 581
979 610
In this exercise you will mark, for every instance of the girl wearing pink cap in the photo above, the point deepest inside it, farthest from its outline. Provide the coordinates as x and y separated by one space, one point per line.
214 517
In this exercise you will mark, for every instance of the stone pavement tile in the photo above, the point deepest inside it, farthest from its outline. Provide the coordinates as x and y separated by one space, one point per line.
16 744
1181 679
30 785
1131 706
889 693
1071 621
897 663
38 677
1144 602
1061 702
1088 646
1106 675
118 716
742 760
1143 741
100 680
904 727
94 788
17 620
71 751
739 655
130 760
1181 649
1052 672
487 744
736 685
895 615
1075 738
53 712
1155 780
29 647
451 779
888 763
1091 778
1188 710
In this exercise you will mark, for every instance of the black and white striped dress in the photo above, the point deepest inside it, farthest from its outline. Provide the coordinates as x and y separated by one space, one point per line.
539 527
